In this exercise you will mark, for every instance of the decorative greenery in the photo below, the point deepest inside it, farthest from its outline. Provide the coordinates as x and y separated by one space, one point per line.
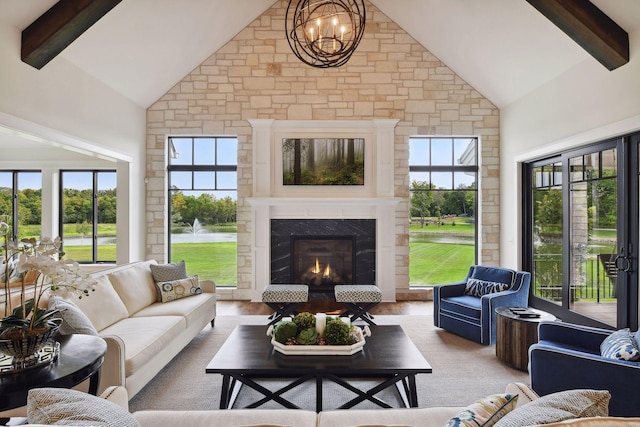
305 320
307 336
285 330
42 268
337 332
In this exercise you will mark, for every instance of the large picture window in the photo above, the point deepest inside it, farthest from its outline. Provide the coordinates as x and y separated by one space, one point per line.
443 176
202 206
21 203
88 214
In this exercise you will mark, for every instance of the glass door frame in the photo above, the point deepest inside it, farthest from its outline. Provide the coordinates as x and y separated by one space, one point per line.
627 232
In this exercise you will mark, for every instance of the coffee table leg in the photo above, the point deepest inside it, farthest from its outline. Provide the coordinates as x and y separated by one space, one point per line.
413 392
224 393
319 393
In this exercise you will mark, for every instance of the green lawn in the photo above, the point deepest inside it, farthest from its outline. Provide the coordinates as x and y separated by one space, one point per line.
437 263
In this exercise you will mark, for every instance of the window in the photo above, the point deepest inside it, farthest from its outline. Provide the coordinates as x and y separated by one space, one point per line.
202 206
443 185
21 203
88 215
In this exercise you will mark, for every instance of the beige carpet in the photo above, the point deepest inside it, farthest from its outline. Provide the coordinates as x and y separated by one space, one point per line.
463 371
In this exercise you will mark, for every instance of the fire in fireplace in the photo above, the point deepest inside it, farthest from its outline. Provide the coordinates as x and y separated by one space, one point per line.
322 262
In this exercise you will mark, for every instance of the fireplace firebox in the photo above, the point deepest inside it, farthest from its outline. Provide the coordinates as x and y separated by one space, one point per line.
323 262
322 253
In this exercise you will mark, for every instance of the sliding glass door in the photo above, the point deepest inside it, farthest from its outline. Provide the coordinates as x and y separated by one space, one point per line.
581 217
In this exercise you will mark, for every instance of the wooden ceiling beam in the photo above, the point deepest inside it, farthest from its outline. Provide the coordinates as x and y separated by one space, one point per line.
591 28
58 27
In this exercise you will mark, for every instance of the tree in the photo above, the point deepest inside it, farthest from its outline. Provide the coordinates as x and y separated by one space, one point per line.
421 200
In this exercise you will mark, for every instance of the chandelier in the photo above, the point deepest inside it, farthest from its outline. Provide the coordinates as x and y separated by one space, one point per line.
324 33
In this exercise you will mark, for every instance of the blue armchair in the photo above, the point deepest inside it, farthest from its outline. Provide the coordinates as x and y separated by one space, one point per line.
567 356
472 314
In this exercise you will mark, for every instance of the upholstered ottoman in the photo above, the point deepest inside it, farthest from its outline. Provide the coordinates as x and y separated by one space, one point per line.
284 299
358 300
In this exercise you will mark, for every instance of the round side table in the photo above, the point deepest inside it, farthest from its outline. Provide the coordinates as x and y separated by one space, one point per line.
80 357
515 334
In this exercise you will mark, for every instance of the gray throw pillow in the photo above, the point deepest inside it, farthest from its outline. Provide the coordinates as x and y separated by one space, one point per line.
167 273
65 407
563 405
74 321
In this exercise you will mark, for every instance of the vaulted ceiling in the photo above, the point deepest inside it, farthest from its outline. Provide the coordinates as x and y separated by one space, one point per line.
503 48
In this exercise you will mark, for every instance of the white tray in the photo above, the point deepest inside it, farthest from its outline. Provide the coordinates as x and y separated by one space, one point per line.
322 350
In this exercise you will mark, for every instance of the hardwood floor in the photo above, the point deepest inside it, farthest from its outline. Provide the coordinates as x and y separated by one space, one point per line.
235 308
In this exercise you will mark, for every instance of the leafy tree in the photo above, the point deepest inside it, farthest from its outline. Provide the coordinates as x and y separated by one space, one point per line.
421 200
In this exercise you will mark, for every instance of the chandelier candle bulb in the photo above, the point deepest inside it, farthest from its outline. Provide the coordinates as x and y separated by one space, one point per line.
321 323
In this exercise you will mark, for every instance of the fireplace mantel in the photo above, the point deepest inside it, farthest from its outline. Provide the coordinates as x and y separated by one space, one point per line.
373 200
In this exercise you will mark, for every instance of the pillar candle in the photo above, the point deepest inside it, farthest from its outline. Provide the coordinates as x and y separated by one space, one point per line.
321 323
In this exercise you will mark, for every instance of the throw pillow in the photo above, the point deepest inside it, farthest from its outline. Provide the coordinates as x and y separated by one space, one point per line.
168 273
485 412
74 321
620 345
61 406
478 288
563 405
176 289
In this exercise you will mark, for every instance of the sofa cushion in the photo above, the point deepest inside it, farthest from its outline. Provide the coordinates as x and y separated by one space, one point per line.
168 273
144 337
235 417
559 406
598 422
478 288
103 306
494 274
620 345
193 309
177 289
135 285
74 321
467 306
423 417
484 412
60 406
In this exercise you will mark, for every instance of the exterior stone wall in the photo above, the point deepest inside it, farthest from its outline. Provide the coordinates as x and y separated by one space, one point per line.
256 76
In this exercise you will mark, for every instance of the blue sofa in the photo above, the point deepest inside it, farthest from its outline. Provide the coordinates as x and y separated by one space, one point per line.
567 356
473 317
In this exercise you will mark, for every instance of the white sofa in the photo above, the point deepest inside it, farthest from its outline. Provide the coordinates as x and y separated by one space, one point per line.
142 335
422 417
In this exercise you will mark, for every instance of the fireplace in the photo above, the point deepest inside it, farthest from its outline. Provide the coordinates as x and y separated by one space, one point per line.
322 253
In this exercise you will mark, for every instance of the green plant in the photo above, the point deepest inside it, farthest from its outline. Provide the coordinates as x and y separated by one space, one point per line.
284 331
336 332
307 336
305 320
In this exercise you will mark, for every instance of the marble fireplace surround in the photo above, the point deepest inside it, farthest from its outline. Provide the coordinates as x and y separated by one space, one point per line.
373 200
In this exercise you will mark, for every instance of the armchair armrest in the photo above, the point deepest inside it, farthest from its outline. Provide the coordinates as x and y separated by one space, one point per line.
553 368
577 336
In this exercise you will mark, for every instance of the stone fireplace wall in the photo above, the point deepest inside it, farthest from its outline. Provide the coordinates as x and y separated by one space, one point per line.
255 76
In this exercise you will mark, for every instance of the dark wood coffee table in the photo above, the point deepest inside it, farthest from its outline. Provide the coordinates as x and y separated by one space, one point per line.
388 358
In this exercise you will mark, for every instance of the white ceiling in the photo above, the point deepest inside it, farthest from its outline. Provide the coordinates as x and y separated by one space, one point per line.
503 48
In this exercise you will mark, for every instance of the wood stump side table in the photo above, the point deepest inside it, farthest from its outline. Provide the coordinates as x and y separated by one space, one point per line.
515 334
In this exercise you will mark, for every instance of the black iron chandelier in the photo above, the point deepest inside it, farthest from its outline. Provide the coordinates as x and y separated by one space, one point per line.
324 33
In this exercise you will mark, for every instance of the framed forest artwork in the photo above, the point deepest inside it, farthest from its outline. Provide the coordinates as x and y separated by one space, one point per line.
323 161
